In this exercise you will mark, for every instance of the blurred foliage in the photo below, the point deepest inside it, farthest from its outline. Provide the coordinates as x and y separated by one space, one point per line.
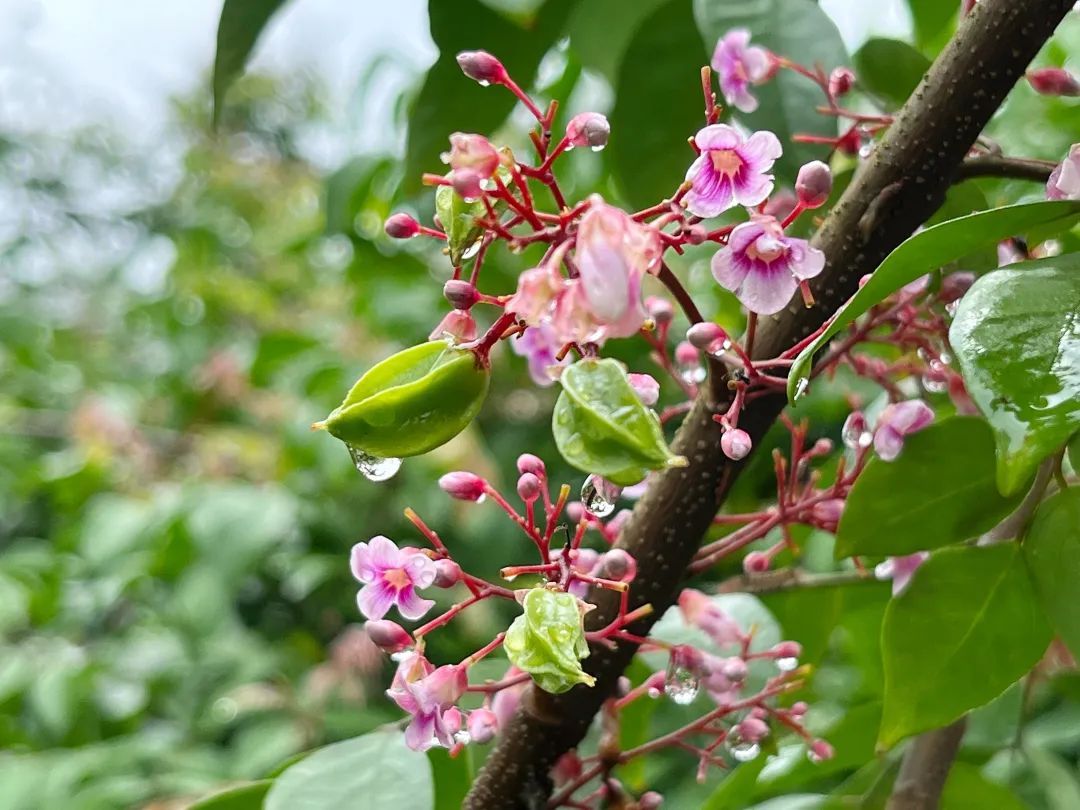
176 610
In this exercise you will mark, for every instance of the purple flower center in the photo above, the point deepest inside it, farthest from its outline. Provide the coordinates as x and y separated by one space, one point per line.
726 161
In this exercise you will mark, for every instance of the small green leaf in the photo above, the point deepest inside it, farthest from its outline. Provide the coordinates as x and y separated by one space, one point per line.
1052 549
374 770
411 402
458 219
930 249
451 776
1017 337
242 797
940 490
890 69
967 789
601 426
548 640
239 27
966 628
935 21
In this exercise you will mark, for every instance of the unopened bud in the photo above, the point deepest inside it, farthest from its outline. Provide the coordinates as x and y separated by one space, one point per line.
850 142
822 447
452 720
447 573
483 723
840 81
659 309
799 708
736 444
650 800
482 67
463 485
696 234
827 513
575 511
646 387
458 324
528 487
787 649
686 354
466 183
401 226
821 750
814 184
1054 81
617 565
528 463
704 335
734 669
460 293
756 562
588 129
753 730
623 686
388 636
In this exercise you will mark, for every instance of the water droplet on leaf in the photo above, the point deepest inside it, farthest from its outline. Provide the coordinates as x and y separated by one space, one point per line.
599 495
372 467
801 387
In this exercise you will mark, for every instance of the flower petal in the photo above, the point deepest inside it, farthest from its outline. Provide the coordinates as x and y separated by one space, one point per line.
420 568
805 262
888 443
375 599
718 136
420 733
767 288
729 268
411 605
762 149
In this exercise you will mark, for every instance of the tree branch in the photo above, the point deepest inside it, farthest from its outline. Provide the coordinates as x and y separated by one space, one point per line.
899 187
1000 166
925 768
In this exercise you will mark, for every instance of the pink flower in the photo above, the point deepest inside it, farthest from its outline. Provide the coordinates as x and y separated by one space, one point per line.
391 577
702 612
1064 182
763 267
473 160
588 129
901 569
536 293
646 387
731 170
738 65
539 346
427 694
898 420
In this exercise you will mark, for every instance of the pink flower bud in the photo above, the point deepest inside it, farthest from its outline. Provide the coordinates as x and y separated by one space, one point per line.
460 293
756 562
659 309
780 204
575 511
447 684
646 387
482 67
686 657
696 234
753 730
827 513
814 184
388 636
787 649
401 226
471 151
623 686
650 800
734 669
528 487
822 447
701 611
705 335
967 6
850 142
483 723
566 768
736 444
686 354
1054 81
588 129
447 573
840 81
617 565
458 324
463 485
466 183
799 708
820 751
528 463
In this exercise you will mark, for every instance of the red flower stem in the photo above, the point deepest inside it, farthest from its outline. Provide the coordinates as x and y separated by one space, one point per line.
524 98
432 232
428 533
497 686
483 651
529 530
503 193
450 613
482 347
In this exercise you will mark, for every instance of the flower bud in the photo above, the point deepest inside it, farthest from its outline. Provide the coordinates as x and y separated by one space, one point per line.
696 234
617 565
787 649
659 309
463 485
650 800
954 285
388 636
447 573
575 511
466 183
483 723
780 204
814 184
1053 81
447 684
734 669
566 768
827 513
799 708
840 81
686 354
646 387
528 487
528 463
756 562
820 751
458 324
736 444
460 293
482 67
753 730
850 142
401 226
588 129
453 720
705 335
623 686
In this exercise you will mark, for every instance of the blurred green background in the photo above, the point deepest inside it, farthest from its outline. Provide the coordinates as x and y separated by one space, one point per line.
177 305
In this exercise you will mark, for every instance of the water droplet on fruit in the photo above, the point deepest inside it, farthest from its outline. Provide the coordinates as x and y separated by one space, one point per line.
372 467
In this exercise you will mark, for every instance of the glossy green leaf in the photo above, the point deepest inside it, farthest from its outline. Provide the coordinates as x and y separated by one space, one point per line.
890 69
548 640
411 402
657 105
967 789
934 21
449 101
451 776
1074 453
458 219
930 249
239 27
601 426
1017 337
788 103
966 628
1057 779
601 31
242 797
1052 549
374 770
940 490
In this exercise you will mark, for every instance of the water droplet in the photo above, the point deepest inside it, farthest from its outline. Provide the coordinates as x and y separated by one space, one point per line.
743 751
787 664
884 570
951 308
945 358
599 148
865 151
372 467
693 374
483 82
472 249
801 387
461 736
599 495
680 684
856 439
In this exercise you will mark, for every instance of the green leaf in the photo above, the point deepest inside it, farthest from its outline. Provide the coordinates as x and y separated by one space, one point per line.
375 770
934 21
798 30
242 797
601 31
1017 337
1056 777
548 640
658 105
449 101
451 776
940 490
930 249
1074 453
239 27
601 426
966 628
967 789
890 69
1052 550
458 219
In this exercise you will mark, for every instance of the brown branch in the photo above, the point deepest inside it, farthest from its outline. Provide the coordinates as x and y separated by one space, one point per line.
925 768
1000 166
900 186
792 579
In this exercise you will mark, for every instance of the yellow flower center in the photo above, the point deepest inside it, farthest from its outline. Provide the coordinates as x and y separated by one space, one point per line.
726 161
397 578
